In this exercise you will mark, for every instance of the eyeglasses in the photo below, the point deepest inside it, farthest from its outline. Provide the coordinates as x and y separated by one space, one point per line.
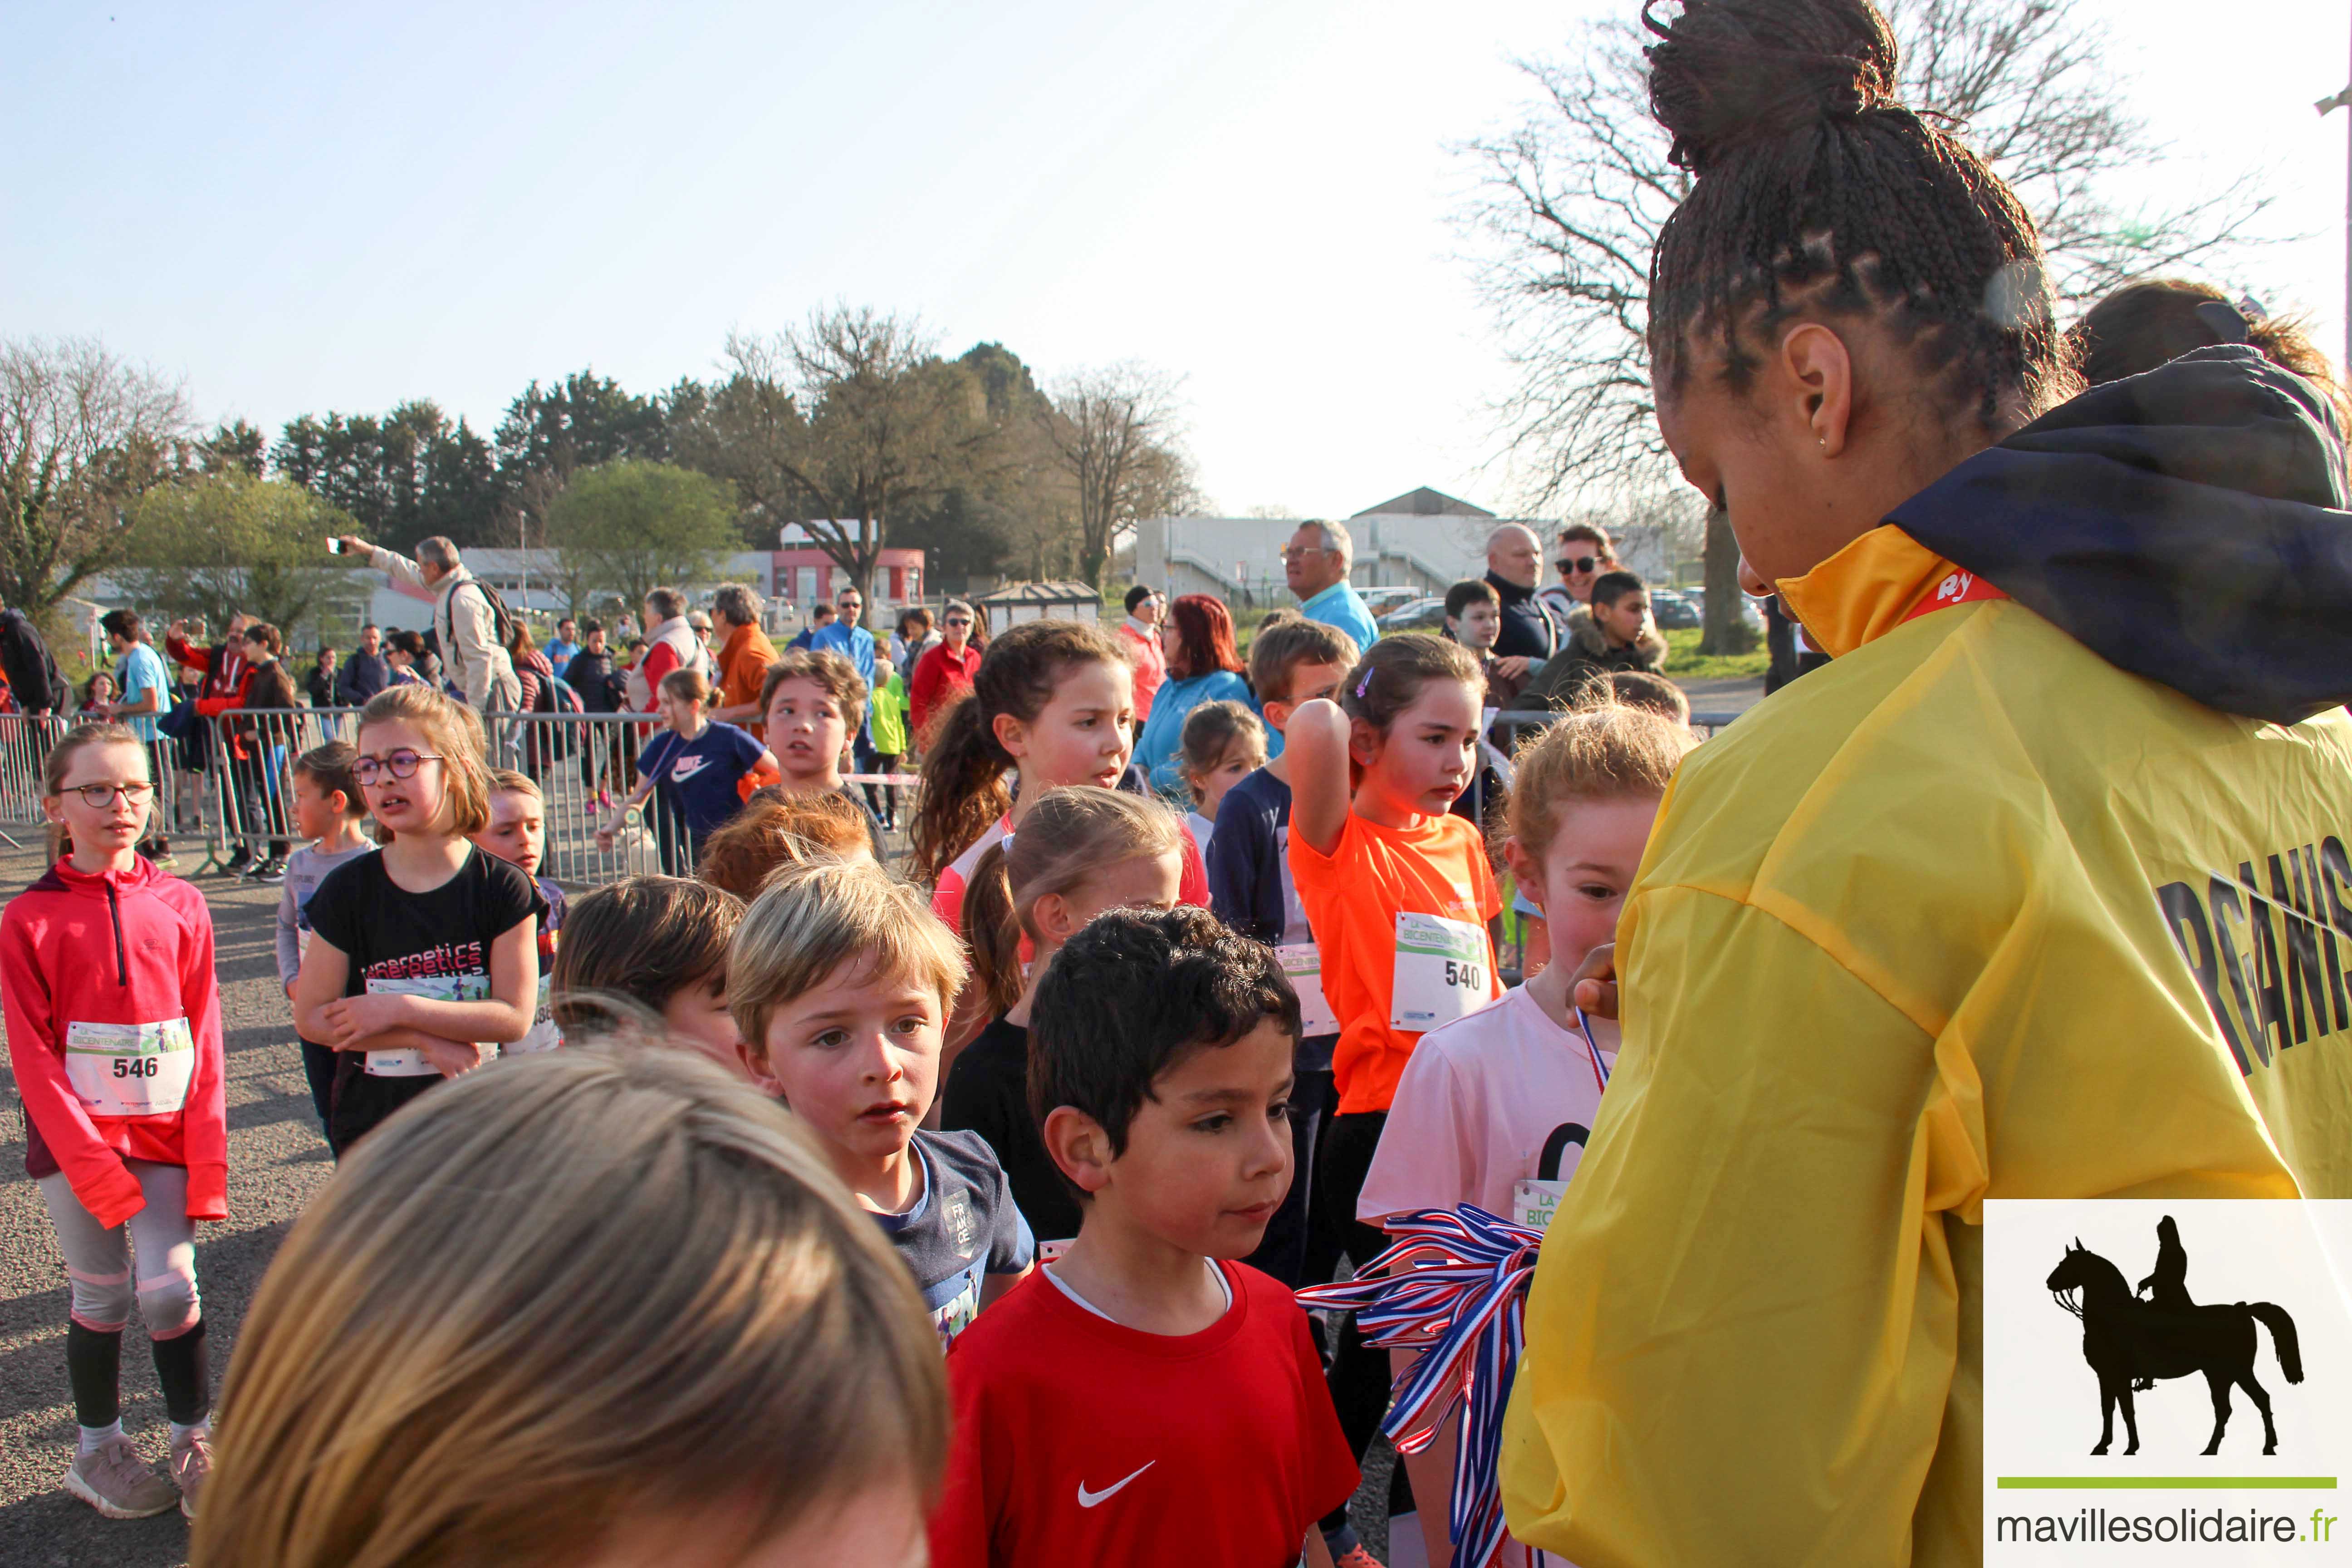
1298 552
959 620
98 796
400 764
1579 564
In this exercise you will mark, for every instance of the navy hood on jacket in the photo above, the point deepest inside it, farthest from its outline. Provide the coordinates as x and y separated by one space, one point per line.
2187 525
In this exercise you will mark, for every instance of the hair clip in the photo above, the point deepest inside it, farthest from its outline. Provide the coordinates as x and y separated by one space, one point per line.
1362 686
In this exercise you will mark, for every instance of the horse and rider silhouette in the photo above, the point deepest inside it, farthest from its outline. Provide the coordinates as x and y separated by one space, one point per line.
2131 1344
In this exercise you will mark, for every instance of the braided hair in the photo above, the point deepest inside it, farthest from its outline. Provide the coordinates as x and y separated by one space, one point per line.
1818 194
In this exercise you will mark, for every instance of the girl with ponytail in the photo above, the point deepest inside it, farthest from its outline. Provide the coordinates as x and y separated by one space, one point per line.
1054 702
1936 924
1081 850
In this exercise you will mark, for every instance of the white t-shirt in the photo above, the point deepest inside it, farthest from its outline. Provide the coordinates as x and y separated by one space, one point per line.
1202 828
1479 1102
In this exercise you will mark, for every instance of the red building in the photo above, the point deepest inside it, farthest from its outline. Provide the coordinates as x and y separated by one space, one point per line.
804 574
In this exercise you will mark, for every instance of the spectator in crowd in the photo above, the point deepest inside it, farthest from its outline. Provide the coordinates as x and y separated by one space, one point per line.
96 697
143 697
533 669
1514 566
820 616
701 621
1584 552
1615 633
943 669
464 624
592 670
320 684
366 673
855 644
1315 565
32 673
567 643
220 672
1644 688
670 644
744 655
1202 666
914 639
261 745
1139 635
405 657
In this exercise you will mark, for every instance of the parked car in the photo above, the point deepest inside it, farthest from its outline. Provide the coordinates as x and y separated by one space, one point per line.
1673 609
1751 610
1381 601
1419 616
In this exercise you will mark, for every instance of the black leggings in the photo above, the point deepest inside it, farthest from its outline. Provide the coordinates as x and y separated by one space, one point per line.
1359 1373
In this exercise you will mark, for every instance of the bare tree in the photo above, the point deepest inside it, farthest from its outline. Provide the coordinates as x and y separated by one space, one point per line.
1570 204
1113 430
83 434
838 422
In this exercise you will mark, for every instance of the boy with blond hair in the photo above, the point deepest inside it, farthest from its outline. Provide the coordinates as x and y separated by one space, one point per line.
840 979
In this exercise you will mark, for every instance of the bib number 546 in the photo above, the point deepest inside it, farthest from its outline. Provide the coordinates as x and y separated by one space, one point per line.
136 1066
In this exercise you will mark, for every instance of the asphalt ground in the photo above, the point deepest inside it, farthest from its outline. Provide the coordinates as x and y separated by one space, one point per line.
277 1160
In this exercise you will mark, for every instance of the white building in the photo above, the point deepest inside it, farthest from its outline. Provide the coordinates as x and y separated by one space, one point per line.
1424 540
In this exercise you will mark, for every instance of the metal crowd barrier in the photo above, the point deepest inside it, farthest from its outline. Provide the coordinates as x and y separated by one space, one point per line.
25 746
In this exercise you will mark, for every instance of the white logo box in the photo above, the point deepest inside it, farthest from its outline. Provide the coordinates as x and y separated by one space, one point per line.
2170 1502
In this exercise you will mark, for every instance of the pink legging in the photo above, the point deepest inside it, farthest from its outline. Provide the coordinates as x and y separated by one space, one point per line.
99 1260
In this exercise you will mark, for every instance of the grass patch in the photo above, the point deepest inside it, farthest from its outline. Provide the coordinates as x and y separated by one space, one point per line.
1685 662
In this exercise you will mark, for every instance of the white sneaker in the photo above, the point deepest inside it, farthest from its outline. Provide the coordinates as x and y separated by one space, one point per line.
191 1462
116 1482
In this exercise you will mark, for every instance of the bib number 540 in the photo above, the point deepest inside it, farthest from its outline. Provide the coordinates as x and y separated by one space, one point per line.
1469 976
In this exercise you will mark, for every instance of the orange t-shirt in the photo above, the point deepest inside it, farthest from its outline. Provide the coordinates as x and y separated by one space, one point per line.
1352 897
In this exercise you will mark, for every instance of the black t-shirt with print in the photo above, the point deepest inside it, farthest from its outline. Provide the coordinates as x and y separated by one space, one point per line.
390 934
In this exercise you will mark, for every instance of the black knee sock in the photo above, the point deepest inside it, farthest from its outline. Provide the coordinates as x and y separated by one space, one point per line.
94 1368
185 1372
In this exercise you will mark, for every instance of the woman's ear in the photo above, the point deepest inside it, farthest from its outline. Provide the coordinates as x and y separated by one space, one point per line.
1819 373
1011 734
1080 1147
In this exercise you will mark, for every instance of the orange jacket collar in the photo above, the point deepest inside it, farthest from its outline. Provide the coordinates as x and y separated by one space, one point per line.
1866 590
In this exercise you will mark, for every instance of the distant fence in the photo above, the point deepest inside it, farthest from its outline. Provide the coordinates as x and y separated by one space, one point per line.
227 787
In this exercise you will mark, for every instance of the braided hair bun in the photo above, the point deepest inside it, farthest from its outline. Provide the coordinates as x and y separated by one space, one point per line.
1820 197
1728 72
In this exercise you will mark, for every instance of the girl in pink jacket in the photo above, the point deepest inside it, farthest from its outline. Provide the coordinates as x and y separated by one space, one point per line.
114 1032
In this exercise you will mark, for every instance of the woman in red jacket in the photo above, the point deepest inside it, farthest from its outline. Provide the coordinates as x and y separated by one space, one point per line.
114 1031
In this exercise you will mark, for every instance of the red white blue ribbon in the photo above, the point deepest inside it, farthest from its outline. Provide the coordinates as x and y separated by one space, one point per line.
1599 1068
1461 1283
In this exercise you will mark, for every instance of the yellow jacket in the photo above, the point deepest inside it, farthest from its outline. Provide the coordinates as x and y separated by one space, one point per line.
1956 917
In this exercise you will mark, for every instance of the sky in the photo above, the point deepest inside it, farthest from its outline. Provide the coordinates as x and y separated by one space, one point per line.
296 209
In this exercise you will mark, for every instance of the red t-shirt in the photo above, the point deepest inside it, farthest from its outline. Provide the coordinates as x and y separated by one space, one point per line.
1077 1440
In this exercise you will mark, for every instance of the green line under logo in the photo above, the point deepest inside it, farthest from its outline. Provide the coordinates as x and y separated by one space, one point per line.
2165 1483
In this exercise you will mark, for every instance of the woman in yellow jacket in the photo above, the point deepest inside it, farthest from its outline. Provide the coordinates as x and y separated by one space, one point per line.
2039 890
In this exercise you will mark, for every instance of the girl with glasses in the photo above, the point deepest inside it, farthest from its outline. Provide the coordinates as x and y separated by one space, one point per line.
424 954
114 1034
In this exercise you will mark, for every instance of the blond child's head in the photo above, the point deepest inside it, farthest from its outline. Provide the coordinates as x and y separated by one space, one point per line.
841 978
1585 794
594 1306
776 830
437 743
517 831
1082 851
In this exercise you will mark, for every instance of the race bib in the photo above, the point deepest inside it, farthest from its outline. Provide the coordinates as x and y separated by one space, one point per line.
1441 972
1303 963
544 1036
441 988
131 1069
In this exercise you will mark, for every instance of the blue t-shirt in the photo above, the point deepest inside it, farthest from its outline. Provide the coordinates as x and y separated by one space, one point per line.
962 1227
1340 605
1160 746
142 669
697 778
559 654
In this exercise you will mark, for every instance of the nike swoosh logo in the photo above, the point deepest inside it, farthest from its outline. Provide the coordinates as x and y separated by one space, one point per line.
1089 1499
